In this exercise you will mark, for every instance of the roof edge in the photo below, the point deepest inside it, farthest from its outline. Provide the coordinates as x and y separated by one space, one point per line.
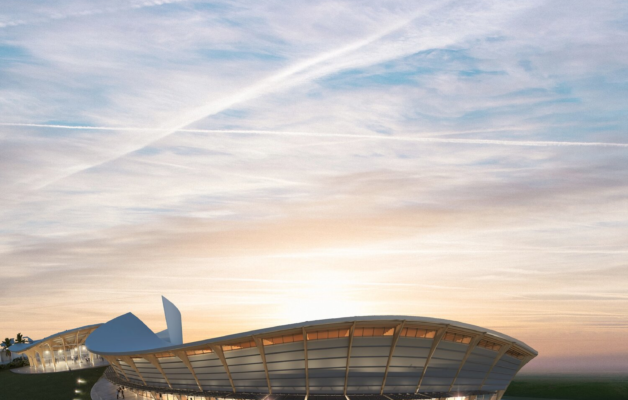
330 321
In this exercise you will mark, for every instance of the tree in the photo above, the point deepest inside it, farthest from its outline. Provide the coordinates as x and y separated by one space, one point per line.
7 343
19 338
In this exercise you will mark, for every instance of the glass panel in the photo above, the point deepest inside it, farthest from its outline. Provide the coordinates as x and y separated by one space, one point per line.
389 331
343 333
312 335
368 331
358 332
449 337
288 339
420 333
412 332
333 334
404 332
267 342
298 337
430 334
466 340
322 334
378 332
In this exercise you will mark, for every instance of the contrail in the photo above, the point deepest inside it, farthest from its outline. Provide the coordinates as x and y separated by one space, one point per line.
86 13
497 142
258 89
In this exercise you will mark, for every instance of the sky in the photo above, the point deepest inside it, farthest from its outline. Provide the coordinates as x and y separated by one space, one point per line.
269 162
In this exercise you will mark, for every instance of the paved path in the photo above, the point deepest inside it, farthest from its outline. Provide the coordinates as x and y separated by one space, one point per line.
105 390
61 367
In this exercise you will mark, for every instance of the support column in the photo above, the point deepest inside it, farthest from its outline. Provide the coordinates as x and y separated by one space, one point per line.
31 359
153 360
114 361
131 363
42 360
351 330
499 355
398 329
472 345
52 356
184 357
307 372
78 349
65 356
260 348
218 350
437 338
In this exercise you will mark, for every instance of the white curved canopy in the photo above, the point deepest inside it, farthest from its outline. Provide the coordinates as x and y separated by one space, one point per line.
124 334
69 334
130 326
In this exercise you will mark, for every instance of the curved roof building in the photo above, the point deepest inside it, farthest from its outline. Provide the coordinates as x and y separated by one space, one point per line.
45 354
379 357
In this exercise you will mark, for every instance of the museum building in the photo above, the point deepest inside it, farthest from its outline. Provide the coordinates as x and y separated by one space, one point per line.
354 358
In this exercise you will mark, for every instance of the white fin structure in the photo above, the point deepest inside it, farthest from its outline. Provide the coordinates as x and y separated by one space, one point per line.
173 322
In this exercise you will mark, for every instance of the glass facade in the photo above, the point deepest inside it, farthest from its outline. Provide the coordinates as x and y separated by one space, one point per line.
283 339
515 354
457 337
197 352
489 345
238 346
418 333
332 365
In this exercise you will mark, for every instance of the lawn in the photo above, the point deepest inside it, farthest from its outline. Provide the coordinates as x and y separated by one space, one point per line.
570 387
56 386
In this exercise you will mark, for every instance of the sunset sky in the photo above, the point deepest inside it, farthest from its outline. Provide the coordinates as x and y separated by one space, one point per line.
270 162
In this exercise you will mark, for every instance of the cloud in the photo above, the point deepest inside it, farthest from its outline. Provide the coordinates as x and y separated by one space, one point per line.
462 160
523 143
88 12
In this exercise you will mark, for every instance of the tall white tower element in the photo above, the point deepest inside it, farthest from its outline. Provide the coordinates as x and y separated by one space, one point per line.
173 321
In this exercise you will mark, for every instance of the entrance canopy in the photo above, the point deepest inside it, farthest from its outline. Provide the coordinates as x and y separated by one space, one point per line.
67 346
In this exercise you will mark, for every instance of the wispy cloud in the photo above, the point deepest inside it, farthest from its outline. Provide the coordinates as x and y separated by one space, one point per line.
536 143
87 12
461 159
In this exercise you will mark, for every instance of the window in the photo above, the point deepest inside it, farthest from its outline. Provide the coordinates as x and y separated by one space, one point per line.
197 352
283 339
328 334
373 331
418 333
238 346
515 354
164 354
489 345
457 338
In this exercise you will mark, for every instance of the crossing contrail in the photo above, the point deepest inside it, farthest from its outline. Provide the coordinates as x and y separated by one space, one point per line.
86 13
496 142
295 74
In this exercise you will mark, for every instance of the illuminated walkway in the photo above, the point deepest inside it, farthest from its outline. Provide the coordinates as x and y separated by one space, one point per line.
61 366
105 390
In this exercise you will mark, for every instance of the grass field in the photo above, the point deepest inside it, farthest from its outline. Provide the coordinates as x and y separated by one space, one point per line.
570 387
59 386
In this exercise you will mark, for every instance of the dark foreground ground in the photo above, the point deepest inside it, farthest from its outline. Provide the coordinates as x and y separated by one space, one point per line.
60 386
572 387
